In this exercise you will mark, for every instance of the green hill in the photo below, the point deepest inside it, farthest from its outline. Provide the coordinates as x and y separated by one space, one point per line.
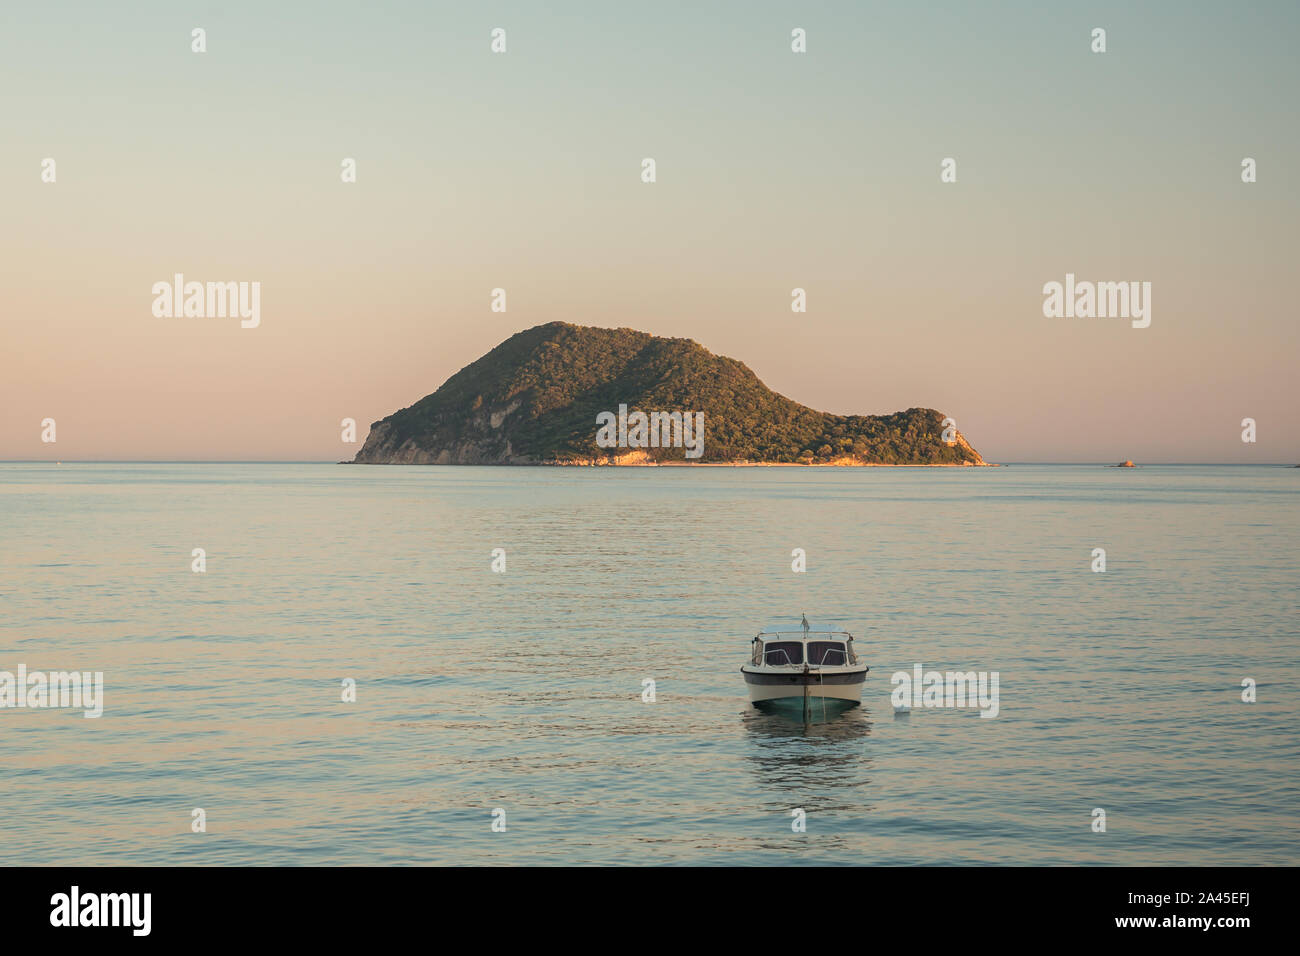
535 399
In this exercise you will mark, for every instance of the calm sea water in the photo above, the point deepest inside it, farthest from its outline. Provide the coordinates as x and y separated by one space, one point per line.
478 690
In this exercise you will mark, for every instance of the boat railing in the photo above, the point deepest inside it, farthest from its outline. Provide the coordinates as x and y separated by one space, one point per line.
801 635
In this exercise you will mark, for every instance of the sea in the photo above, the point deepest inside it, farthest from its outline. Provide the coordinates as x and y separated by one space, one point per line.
322 664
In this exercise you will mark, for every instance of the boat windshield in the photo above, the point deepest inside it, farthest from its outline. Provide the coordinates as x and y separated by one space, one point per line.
826 652
777 653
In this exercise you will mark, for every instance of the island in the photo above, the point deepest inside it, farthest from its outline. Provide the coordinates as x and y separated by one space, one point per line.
562 394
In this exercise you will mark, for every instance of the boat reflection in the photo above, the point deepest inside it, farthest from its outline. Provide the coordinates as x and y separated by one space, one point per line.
819 764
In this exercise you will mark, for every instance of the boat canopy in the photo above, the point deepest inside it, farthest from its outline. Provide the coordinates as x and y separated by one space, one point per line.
795 629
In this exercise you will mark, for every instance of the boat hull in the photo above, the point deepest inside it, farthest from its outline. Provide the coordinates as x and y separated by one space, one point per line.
773 685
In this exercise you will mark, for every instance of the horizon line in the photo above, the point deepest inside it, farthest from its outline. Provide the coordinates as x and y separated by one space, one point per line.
326 461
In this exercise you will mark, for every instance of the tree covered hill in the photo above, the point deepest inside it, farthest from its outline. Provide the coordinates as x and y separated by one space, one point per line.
536 396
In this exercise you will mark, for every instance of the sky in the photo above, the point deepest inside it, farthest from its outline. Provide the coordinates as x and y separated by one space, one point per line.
775 171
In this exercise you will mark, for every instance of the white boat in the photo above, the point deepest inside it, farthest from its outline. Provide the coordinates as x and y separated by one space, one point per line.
811 663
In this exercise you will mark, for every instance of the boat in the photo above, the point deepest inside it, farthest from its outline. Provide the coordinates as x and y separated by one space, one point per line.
811 664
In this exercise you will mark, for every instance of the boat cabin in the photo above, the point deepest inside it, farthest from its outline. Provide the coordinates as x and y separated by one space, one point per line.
829 648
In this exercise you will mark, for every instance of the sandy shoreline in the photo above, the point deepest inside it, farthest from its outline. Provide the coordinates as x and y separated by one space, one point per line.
766 464
640 459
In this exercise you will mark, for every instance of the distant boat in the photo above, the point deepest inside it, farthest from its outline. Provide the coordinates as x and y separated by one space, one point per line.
796 667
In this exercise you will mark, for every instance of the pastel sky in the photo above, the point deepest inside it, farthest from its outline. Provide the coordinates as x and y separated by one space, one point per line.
775 171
